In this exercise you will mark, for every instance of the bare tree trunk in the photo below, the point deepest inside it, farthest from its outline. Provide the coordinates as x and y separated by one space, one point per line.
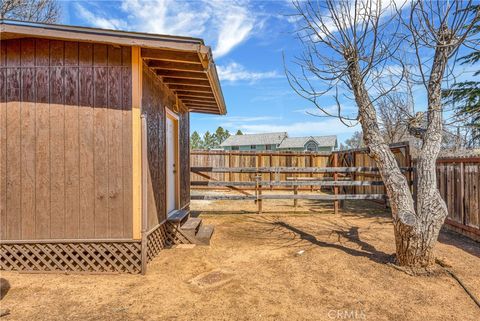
416 231
349 44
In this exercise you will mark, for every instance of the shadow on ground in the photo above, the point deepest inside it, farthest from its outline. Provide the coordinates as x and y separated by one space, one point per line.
462 242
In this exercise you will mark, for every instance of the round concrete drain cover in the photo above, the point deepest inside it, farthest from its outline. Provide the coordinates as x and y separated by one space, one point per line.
212 278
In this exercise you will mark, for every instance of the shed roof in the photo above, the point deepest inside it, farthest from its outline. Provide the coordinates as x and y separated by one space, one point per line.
255 139
299 142
185 64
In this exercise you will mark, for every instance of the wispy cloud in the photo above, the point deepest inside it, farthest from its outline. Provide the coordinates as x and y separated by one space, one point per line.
225 24
99 21
235 72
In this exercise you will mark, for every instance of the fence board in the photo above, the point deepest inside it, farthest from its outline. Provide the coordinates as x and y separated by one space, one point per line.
458 181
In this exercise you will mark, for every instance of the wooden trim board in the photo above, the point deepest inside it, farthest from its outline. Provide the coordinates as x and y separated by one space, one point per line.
136 142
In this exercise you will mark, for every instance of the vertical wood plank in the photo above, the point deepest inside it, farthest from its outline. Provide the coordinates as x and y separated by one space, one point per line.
42 149
57 139
137 90
28 140
72 150
127 142
14 185
114 137
86 142
100 139
3 139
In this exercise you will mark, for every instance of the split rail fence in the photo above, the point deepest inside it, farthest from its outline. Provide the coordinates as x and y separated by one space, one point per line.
348 175
344 175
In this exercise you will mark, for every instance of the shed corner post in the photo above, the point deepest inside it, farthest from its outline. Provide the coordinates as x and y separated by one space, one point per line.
138 161
144 212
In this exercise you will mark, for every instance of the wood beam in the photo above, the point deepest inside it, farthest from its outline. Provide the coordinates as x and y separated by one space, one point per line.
201 104
170 55
198 100
181 81
210 111
186 93
203 109
170 65
181 74
195 89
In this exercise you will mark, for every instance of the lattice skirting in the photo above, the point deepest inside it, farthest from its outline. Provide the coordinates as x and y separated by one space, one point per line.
88 256
93 257
163 236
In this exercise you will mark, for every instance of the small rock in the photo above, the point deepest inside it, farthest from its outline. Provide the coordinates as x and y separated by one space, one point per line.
300 253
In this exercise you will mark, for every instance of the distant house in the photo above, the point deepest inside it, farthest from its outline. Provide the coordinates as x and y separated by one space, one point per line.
280 142
309 144
267 141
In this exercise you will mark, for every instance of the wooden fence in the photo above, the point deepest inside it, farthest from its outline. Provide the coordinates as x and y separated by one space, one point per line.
458 180
236 159
243 171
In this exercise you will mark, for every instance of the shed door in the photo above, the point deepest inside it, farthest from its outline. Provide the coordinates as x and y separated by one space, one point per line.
171 164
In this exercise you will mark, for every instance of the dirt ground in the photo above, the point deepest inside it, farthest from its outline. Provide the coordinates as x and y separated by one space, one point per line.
307 264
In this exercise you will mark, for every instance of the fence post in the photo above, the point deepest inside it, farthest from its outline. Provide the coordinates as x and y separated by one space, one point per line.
258 193
271 165
462 192
230 166
335 188
295 192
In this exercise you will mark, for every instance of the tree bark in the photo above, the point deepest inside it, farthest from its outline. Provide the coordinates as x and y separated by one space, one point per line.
416 228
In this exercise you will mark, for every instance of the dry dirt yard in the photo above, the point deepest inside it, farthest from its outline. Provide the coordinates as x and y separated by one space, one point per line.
306 264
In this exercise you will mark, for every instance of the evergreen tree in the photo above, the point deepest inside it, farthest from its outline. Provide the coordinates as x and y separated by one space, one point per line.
208 140
196 141
220 136
465 95
239 132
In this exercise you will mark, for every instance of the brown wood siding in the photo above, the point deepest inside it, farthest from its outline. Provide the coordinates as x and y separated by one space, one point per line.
184 146
65 136
155 97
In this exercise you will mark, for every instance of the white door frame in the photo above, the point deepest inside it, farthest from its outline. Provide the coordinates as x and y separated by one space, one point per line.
174 117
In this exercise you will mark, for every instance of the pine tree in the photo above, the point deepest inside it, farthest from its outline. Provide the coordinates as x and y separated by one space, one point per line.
220 136
196 141
239 132
465 95
208 140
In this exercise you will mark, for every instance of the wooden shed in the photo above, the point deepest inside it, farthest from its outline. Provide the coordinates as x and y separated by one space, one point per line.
94 145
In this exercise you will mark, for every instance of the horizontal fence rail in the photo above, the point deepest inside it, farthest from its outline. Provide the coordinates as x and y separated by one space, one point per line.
325 197
287 169
288 183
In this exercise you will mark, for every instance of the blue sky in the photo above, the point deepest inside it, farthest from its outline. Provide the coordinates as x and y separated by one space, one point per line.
248 40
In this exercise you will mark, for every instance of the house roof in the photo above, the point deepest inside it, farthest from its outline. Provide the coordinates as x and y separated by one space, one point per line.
255 139
184 64
299 142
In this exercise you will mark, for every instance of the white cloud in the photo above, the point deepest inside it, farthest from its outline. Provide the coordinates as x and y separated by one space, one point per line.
98 21
236 72
235 26
223 24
